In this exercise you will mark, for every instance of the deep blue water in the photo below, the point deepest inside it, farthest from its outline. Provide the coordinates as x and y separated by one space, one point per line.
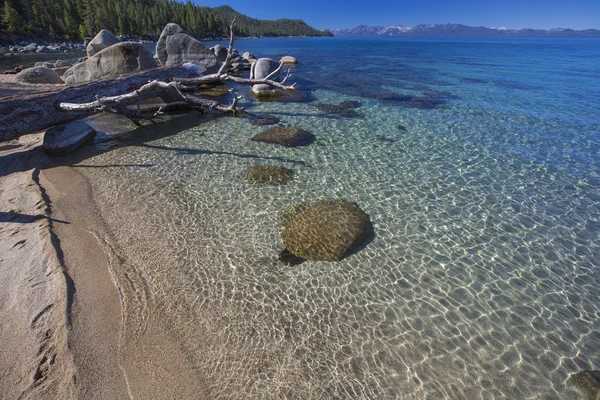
478 162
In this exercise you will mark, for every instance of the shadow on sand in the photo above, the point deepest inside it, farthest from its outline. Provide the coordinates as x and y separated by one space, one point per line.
19 161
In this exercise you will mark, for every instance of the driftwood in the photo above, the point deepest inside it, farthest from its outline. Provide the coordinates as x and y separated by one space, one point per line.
29 113
33 112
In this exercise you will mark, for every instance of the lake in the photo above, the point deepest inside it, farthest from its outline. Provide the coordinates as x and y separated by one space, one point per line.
478 162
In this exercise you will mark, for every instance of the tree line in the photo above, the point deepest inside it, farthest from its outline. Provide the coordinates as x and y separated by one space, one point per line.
77 19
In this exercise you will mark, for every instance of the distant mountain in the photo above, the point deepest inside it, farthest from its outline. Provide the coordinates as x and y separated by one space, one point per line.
458 30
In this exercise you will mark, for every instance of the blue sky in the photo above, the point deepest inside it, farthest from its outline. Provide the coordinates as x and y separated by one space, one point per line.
322 14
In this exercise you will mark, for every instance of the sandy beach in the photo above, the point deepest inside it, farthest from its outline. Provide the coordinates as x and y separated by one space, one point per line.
63 300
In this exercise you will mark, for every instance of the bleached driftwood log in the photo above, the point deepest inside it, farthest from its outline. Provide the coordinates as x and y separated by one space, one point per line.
29 113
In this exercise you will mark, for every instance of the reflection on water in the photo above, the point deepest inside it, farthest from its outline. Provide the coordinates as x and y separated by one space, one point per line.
481 281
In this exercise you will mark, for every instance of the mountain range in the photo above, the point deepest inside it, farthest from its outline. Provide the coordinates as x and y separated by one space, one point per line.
458 30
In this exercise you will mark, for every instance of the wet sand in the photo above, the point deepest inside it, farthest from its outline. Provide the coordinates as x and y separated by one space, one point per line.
63 299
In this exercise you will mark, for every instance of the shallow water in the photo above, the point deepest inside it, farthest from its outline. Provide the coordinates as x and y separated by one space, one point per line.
479 165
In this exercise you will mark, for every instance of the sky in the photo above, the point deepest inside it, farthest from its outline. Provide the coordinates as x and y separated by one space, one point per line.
326 14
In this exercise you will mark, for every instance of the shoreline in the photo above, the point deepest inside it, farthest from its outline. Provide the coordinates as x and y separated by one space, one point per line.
80 314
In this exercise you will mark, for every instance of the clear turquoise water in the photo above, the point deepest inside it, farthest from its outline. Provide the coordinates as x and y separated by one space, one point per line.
483 278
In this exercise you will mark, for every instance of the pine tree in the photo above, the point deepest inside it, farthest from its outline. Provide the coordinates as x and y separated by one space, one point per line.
12 19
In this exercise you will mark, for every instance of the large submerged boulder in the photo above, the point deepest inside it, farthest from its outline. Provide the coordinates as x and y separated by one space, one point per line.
288 136
121 58
101 41
176 47
40 74
327 230
65 138
587 384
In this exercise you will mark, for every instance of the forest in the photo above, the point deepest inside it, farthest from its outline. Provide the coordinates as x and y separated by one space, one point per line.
77 19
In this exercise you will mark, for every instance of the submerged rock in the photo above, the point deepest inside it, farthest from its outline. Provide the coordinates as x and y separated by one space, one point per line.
65 138
427 101
213 89
327 230
101 41
121 58
269 174
587 384
349 104
344 109
41 74
288 136
264 120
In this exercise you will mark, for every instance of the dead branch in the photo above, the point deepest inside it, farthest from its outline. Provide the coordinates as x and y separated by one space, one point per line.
26 113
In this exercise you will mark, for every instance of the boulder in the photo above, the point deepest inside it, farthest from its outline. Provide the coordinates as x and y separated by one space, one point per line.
40 74
262 68
60 71
587 383
288 136
327 230
249 56
29 48
121 58
42 49
220 52
44 64
269 174
176 47
101 41
161 46
62 64
65 138
288 60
